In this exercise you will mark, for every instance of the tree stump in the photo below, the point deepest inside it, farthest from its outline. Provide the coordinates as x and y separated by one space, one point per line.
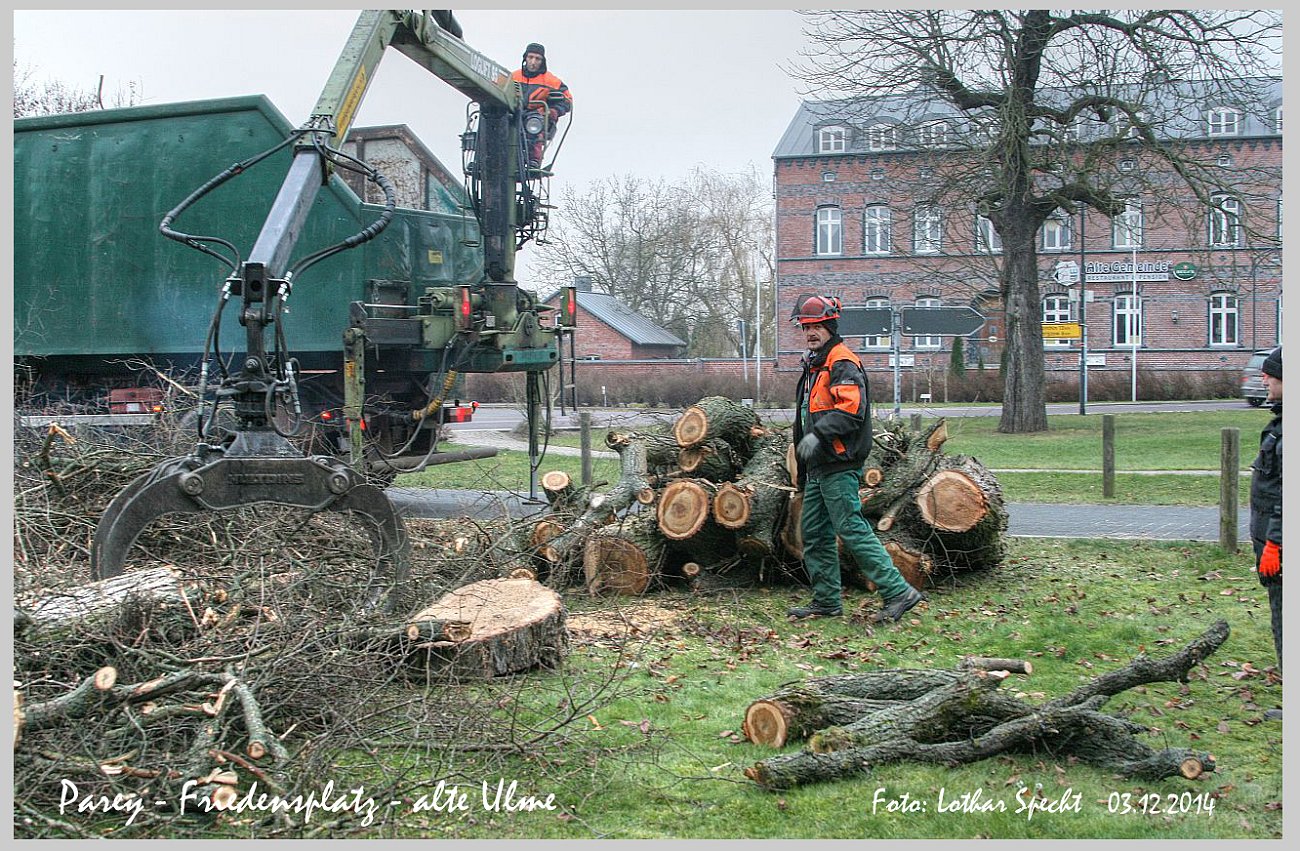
514 625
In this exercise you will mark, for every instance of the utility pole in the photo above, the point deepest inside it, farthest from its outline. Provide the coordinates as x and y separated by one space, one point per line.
896 343
1083 316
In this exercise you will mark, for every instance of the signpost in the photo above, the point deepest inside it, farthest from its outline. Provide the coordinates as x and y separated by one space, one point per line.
912 321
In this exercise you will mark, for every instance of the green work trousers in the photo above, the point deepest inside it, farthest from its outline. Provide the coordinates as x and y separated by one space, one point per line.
831 508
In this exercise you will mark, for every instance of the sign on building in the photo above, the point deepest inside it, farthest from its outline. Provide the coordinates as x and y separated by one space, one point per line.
1121 271
1062 331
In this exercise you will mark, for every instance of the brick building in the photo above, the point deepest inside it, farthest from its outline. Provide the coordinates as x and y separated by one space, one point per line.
420 180
610 330
848 180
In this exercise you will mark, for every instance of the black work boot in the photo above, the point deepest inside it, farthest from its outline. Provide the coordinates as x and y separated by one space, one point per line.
815 610
896 607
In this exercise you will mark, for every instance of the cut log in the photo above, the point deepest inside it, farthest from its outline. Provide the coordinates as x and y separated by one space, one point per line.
713 460
99 603
987 663
514 625
951 502
911 559
683 508
623 558
717 417
558 487
660 448
796 712
792 528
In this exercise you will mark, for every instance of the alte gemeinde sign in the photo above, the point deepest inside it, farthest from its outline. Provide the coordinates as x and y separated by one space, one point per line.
1119 271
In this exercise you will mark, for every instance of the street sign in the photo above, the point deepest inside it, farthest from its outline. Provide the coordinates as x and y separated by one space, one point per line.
940 321
1062 331
865 322
1066 272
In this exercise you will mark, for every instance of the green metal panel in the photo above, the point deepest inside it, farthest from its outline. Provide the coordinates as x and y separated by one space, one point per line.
93 276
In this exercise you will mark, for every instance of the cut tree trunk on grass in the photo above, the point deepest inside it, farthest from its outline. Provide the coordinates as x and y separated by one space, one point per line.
514 625
96 605
624 558
910 557
795 713
717 417
963 718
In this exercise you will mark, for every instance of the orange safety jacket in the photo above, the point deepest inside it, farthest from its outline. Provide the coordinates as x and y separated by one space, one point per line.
537 90
833 390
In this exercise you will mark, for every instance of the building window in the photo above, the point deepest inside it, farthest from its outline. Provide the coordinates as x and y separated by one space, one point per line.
930 342
932 134
987 239
828 177
1127 165
881 342
1056 308
927 230
876 230
1223 121
1225 221
882 137
1223 319
1126 228
830 231
1128 320
832 140
1057 232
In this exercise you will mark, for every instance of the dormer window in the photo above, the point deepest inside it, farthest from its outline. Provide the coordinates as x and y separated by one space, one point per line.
932 134
832 140
1223 121
882 137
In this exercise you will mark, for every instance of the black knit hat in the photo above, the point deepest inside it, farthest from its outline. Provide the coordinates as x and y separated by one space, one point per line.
1273 363
535 48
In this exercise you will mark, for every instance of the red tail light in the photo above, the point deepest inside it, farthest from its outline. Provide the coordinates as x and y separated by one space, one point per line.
569 307
326 416
465 311
459 414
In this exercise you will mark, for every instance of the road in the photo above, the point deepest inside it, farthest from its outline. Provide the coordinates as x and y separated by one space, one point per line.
504 417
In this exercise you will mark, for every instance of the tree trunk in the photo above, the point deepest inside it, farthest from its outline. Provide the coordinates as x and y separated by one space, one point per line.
713 459
684 507
624 558
514 625
717 417
755 504
1024 408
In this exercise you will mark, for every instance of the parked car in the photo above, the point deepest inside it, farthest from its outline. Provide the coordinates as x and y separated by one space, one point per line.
1252 379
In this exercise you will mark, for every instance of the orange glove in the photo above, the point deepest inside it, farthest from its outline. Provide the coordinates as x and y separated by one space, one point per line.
1270 561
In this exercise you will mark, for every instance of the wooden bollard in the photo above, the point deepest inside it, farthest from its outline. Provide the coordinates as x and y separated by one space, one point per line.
1108 455
1229 470
584 423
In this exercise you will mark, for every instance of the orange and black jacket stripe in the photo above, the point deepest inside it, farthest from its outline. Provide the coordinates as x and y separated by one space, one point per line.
834 388
538 88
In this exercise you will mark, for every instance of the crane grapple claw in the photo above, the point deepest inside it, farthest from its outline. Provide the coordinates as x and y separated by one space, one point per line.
258 467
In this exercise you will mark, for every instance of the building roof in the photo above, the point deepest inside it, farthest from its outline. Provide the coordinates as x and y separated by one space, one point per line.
624 319
1186 105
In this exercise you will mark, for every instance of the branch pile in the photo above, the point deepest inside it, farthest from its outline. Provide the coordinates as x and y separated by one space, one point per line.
853 723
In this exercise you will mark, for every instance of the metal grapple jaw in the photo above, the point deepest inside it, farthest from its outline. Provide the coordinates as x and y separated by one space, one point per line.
259 466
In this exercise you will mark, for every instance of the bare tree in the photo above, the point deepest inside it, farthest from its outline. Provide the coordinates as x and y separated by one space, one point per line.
690 256
50 97
1041 104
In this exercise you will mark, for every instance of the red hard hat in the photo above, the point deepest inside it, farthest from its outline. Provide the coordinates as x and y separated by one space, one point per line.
816 308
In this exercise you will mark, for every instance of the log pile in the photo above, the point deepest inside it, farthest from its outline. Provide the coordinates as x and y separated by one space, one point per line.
726 513
851 724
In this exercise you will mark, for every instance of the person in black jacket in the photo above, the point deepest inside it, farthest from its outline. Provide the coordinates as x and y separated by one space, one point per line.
832 435
1266 506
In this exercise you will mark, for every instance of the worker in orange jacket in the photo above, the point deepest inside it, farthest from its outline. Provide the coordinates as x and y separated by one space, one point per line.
543 92
832 436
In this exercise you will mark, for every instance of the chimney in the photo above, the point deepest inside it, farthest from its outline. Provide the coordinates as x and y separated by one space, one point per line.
583 283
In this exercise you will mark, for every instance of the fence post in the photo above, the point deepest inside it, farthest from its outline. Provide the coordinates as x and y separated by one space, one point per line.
916 423
1229 470
1108 455
584 422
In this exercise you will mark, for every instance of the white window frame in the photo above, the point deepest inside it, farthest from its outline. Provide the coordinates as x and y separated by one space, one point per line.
829 232
1126 228
1057 232
1277 121
877 233
1224 316
882 137
1225 221
832 139
877 342
1053 311
933 134
1222 121
987 238
927 229
928 342
1126 317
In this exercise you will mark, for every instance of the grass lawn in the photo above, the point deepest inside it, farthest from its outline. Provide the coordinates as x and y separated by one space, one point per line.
663 757
1165 441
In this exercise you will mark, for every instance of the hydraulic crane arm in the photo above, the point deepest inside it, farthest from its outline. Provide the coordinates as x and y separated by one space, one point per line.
428 38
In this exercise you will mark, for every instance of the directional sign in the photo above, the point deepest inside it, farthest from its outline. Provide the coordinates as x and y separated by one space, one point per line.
865 322
1066 272
1062 331
940 321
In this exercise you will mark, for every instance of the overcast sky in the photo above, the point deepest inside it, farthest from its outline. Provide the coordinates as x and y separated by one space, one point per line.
656 93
